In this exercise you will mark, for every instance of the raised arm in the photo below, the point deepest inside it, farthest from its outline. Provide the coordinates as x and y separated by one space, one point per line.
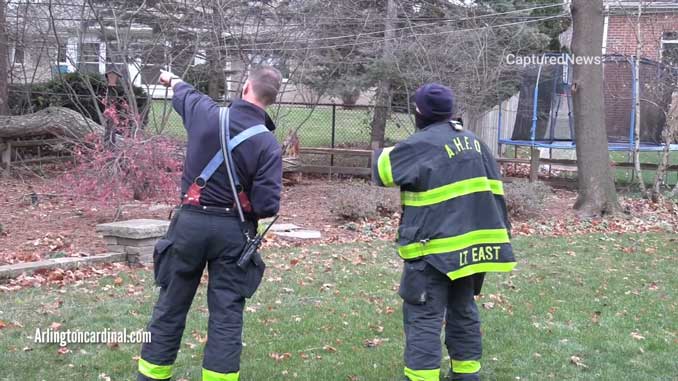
186 100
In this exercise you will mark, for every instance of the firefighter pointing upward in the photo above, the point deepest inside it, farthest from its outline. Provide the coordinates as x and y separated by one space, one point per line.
454 228
206 230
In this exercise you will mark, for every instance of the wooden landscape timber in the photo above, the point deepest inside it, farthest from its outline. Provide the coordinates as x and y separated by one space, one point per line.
534 161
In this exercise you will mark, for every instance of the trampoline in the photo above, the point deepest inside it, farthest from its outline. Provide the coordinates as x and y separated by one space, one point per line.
544 115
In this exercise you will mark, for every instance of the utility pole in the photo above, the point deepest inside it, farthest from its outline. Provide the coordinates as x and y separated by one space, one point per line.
4 61
383 96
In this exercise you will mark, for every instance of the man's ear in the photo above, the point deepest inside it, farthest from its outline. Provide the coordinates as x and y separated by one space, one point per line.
246 88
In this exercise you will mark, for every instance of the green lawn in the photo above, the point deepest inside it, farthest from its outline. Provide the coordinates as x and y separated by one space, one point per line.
611 301
622 176
315 124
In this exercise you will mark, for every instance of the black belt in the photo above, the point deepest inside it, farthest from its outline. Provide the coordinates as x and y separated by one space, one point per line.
216 210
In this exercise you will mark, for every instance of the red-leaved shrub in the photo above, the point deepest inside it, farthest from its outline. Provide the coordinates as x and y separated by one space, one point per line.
135 168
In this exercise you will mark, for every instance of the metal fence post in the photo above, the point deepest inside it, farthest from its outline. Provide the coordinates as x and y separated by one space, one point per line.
334 131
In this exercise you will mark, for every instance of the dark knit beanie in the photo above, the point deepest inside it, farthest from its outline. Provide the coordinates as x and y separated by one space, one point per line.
434 101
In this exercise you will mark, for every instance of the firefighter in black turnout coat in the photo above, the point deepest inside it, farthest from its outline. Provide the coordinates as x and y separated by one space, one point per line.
454 229
205 229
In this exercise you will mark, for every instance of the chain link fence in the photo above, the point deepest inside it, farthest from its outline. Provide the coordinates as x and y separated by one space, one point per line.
315 126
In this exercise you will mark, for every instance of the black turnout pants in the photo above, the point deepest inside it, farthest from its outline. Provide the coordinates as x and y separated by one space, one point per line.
196 238
431 299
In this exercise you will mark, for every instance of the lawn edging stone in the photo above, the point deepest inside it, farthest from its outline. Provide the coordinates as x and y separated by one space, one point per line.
16 269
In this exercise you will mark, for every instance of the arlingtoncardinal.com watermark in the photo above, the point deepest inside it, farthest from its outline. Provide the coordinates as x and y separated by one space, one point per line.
535 59
106 336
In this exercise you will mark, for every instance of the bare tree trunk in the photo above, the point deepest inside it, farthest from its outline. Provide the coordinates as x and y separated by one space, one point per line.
636 89
4 58
215 78
215 72
597 193
670 131
383 97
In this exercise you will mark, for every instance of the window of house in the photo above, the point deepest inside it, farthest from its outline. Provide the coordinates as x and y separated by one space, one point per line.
89 57
669 50
18 58
62 53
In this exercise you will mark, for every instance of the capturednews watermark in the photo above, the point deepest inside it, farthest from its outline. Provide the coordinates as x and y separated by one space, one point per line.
106 336
537 59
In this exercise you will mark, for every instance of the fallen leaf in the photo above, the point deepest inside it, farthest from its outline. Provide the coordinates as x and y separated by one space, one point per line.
280 356
329 348
199 338
595 317
371 343
637 336
576 360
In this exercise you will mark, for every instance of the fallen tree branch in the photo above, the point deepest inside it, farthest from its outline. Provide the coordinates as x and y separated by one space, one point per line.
57 121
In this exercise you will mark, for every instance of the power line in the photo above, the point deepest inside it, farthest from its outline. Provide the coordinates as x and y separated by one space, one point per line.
259 45
380 40
467 18
253 47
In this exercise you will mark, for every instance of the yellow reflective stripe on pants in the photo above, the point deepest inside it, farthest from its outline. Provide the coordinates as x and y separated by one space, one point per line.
384 167
450 244
465 367
450 191
209 375
158 372
485 267
422 375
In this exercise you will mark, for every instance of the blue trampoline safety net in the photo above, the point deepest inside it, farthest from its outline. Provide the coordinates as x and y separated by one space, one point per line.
544 118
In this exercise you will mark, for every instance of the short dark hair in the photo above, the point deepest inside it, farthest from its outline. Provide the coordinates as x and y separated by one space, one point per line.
266 81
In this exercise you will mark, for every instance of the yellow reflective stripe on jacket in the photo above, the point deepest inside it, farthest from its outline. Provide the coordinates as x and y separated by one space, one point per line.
483 267
158 372
422 375
449 244
465 367
209 375
384 167
497 187
450 191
